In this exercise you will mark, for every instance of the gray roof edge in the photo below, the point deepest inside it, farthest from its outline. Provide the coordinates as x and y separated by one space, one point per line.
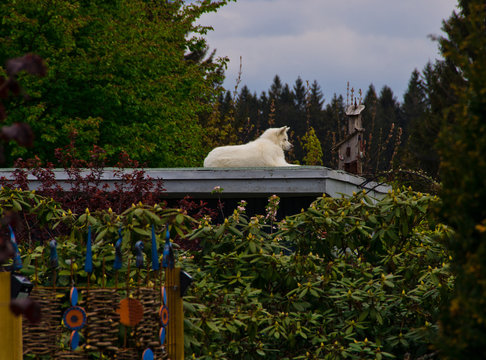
298 180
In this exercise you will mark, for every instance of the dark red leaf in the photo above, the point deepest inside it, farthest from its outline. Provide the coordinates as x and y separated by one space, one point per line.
11 218
20 132
27 307
3 88
14 87
6 250
31 63
3 114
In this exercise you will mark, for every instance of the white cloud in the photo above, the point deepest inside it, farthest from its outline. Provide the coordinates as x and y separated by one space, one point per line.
331 41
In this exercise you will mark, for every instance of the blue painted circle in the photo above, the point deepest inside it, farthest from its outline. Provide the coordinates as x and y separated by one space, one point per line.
164 295
162 334
148 355
74 342
74 296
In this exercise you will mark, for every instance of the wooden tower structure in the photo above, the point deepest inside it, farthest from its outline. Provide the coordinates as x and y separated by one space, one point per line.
351 150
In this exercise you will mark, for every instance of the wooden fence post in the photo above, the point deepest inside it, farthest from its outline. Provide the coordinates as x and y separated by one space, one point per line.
175 328
10 325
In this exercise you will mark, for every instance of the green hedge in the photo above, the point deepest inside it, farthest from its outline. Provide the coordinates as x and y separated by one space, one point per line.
346 278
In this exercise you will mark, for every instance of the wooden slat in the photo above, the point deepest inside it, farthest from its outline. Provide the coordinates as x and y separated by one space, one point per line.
10 325
175 328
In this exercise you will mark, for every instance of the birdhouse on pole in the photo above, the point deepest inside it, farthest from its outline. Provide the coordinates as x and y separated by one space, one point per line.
351 150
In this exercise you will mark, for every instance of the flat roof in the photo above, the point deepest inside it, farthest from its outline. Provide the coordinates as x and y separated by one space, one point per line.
236 182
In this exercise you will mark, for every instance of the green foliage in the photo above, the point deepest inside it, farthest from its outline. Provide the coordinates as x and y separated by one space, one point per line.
347 278
312 148
462 147
70 231
126 75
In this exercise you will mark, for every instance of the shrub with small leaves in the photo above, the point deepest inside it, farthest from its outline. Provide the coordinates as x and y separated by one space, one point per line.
347 278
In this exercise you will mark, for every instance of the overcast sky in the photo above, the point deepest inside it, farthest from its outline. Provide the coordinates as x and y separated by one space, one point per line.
331 41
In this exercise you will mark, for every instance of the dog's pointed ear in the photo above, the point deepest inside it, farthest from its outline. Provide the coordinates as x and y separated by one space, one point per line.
283 130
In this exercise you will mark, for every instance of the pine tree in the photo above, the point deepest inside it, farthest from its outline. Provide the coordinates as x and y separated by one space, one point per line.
247 117
276 89
462 147
312 148
386 130
368 119
316 99
300 95
370 101
316 119
414 103
335 117
286 110
418 146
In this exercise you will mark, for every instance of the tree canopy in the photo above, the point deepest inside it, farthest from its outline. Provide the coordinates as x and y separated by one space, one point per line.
128 76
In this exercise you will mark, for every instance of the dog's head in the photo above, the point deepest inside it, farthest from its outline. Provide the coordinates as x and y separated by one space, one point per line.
279 136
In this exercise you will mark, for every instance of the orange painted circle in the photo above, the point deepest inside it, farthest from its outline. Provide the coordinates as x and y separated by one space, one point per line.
130 311
164 315
75 318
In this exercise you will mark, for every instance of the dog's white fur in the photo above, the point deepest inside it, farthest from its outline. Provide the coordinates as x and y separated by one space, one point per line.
267 150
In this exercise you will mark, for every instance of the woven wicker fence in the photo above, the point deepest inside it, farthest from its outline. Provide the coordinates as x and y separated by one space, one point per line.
103 333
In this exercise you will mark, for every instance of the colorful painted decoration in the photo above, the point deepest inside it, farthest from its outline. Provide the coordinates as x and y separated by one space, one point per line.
73 296
53 258
117 265
17 261
164 295
130 311
148 355
74 318
162 334
74 340
168 254
164 315
139 253
155 256
88 265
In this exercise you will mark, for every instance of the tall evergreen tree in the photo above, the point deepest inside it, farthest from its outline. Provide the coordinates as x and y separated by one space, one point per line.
368 121
265 105
462 148
438 80
316 98
300 91
386 130
419 152
276 88
335 116
414 103
226 102
317 120
286 109
247 115
370 101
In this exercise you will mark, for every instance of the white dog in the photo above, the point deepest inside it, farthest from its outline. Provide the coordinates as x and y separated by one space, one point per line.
267 150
